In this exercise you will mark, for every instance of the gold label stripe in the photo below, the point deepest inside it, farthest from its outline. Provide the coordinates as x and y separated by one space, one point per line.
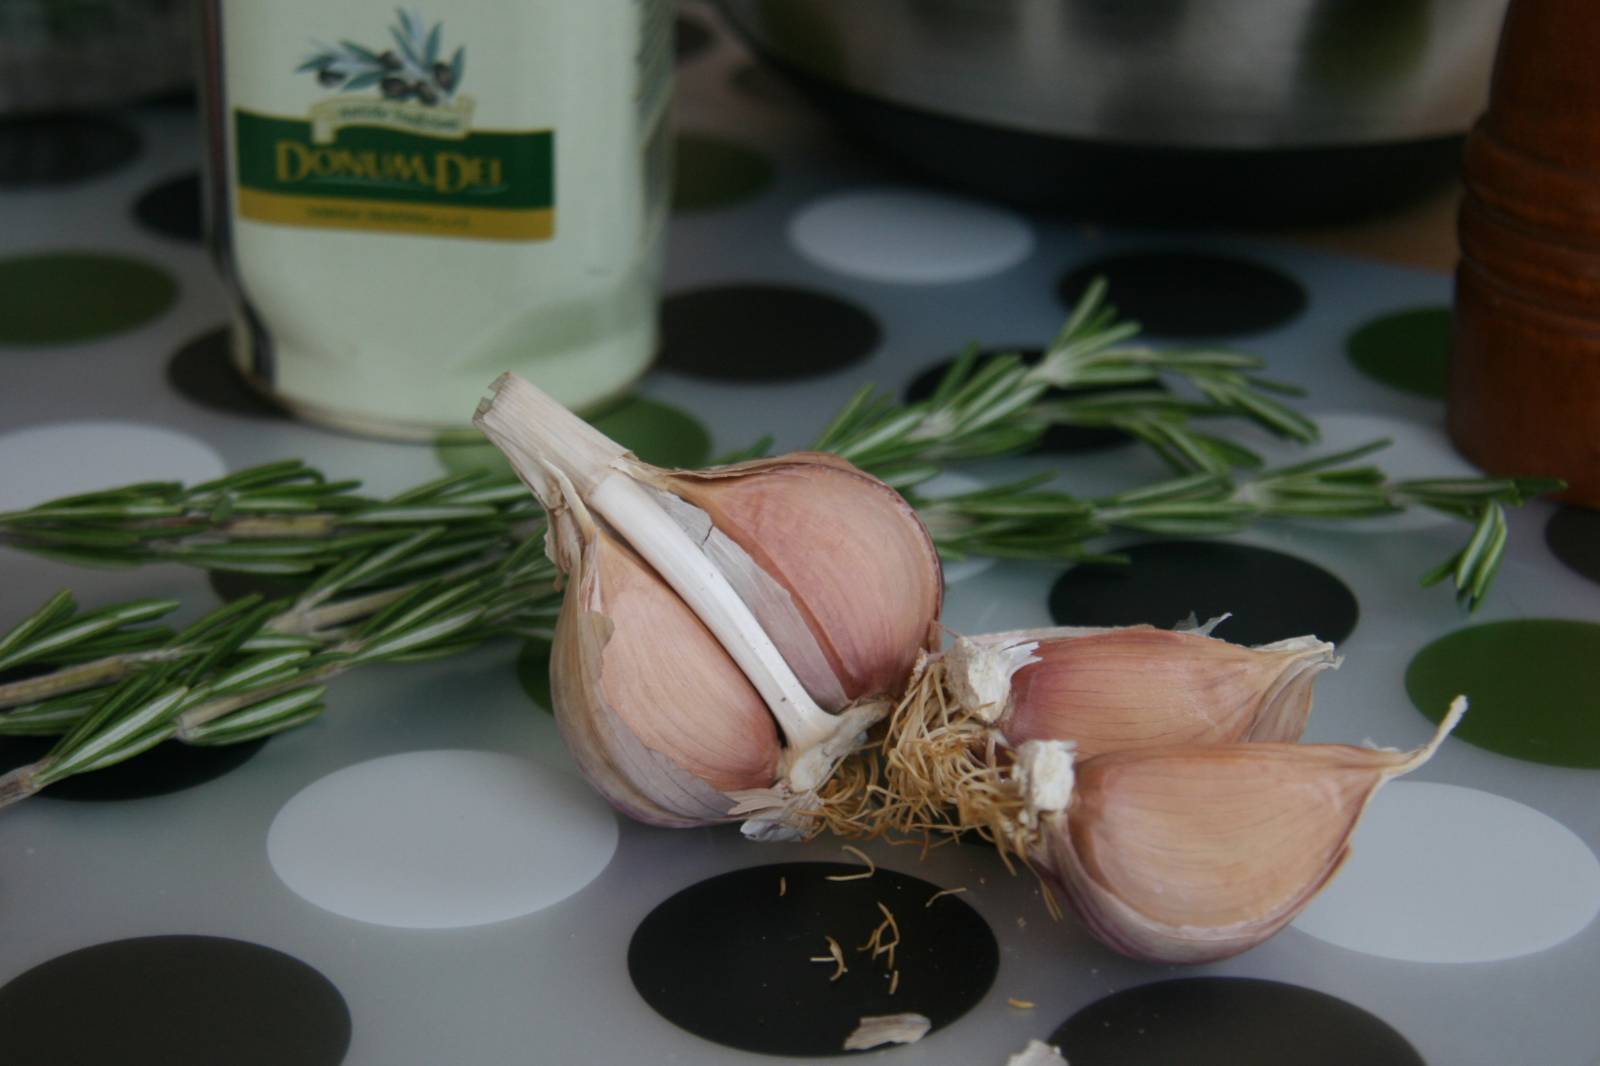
328 212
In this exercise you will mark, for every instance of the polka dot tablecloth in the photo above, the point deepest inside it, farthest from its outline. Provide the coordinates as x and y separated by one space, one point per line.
420 876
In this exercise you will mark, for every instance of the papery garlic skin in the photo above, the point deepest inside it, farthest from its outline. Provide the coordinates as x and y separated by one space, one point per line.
1137 686
659 718
853 555
1196 853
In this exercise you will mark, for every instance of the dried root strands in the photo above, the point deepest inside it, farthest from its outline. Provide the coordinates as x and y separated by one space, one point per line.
816 585
1112 689
1191 854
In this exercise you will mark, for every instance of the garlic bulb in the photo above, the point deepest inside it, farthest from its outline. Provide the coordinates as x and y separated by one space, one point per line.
1111 689
815 584
1195 853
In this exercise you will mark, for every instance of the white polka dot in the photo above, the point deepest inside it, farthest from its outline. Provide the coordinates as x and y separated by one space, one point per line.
1440 873
1415 451
441 839
949 484
903 235
67 458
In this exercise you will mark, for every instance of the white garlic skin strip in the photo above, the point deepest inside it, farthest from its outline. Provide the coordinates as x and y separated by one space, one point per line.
659 718
1196 853
1137 686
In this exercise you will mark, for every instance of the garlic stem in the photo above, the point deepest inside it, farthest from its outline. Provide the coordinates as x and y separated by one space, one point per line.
651 532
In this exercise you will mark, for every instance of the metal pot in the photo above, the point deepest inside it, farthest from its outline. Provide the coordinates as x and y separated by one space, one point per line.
1241 96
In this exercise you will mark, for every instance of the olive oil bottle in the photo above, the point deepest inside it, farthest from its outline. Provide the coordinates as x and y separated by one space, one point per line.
405 203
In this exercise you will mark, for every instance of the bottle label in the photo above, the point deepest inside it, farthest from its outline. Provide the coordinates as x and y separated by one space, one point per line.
392 149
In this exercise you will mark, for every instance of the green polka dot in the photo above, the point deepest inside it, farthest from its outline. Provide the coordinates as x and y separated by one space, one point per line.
1408 350
655 432
533 670
67 297
709 172
1531 686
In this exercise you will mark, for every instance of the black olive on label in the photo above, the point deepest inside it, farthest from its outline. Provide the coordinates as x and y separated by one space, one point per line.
390 61
395 88
425 92
444 76
329 78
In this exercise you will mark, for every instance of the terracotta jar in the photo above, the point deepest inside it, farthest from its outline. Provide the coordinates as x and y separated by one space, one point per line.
1525 372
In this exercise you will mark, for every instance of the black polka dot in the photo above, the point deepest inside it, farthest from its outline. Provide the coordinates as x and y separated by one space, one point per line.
172 208
203 370
1062 439
1271 596
728 959
232 585
167 767
181 99
757 82
1191 295
763 333
689 38
1229 1021
54 149
174 1001
1573 534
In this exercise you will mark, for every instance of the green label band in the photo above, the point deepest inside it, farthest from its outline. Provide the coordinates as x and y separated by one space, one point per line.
491 185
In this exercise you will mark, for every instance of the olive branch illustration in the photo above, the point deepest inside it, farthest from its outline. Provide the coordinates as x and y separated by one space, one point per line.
413 70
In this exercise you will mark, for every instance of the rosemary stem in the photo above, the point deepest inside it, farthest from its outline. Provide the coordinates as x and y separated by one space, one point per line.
82 676
304 620
211 710
20 783
294 526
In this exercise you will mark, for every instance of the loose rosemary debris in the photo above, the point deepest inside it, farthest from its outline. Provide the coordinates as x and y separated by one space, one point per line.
836 956
884 939
864 857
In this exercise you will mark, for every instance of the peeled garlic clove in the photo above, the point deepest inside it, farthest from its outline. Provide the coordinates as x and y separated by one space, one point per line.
657 715
854 557
1191 854
1112 689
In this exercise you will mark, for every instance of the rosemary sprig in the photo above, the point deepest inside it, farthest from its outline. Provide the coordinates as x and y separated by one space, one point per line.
998 406
250 669
444 566
281 518
1021 520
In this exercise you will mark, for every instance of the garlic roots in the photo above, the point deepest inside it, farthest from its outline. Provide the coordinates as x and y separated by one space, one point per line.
732 639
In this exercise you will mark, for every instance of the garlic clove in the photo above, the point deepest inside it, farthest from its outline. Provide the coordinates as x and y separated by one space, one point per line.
852 554
657 715
574 469
1137 686
1196 853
